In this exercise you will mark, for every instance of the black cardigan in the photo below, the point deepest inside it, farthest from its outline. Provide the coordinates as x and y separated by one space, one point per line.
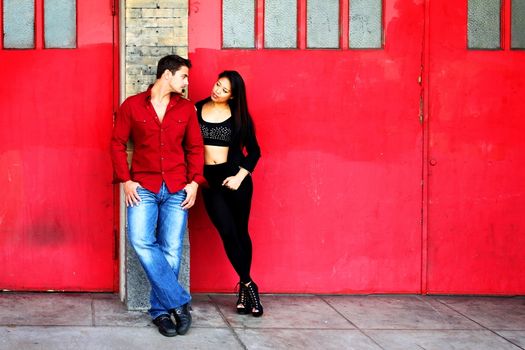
237 155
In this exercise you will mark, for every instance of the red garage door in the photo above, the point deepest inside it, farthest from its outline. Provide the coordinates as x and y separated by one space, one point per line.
476 160
337 201
57 91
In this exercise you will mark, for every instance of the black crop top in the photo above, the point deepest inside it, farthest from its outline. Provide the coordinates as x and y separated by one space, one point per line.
245 155
215 134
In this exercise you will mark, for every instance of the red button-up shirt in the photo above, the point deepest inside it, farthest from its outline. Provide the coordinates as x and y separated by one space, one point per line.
171 151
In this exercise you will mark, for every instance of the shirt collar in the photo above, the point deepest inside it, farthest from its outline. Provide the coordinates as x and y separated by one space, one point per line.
174 98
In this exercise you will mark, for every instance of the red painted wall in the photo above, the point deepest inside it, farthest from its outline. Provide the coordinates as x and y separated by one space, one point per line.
337 201
353 194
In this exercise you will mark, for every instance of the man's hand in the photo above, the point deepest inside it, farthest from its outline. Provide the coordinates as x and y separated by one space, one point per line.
130 190
191 195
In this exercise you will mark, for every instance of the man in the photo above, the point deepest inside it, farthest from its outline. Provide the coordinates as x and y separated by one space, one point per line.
166 170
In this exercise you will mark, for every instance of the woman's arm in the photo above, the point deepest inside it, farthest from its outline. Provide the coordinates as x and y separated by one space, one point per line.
253 151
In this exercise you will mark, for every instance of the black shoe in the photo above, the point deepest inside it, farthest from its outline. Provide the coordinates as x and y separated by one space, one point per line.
182 318
255 300
166 326
244 305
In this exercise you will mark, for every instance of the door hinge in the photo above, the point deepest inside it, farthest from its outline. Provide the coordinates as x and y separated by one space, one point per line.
421 116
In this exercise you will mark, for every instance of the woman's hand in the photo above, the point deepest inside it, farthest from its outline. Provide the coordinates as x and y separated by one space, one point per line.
130 190
233 182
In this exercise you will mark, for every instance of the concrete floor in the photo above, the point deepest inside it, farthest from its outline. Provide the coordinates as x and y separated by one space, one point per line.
100 321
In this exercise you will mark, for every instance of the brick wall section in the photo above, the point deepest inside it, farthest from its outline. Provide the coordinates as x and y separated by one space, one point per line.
154 28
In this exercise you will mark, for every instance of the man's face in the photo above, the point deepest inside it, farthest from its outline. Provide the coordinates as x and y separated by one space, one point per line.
179 80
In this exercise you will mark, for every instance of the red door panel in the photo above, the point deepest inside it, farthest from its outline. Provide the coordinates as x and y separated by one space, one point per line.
56 214
337 199
476 170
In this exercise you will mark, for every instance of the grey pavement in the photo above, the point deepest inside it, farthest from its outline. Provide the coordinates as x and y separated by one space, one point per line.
100 321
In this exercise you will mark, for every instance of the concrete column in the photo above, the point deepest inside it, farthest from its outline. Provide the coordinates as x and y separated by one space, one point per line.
150 29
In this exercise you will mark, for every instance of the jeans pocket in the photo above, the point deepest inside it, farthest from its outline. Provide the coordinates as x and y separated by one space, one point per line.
142 190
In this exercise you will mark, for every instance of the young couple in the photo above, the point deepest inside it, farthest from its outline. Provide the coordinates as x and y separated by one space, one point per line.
170 144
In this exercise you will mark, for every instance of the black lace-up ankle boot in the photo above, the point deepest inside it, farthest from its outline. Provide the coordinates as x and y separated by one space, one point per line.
255 300
244 305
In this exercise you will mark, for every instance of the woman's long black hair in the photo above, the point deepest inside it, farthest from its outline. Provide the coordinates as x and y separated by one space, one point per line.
238 106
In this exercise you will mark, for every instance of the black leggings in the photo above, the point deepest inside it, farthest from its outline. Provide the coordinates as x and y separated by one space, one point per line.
229 212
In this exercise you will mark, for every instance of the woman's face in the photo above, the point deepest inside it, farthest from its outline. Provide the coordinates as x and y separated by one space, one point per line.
221 91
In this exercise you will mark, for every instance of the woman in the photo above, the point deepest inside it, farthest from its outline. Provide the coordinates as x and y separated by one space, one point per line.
231 152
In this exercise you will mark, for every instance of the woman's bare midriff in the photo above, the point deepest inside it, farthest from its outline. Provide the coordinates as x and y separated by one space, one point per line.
215 154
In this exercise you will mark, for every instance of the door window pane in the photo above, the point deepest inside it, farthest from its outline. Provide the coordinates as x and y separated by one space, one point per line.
322 23
484 21
518 24
238 23
280 23
19 24
366 24
60 23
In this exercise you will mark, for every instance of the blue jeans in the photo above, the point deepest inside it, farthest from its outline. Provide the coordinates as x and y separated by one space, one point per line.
156 228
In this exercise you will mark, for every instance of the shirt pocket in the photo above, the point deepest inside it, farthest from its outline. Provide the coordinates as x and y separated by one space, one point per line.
142 121
144 128
175 132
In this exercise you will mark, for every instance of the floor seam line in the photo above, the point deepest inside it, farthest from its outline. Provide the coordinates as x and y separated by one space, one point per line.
479 324
93 324
232 330
354 325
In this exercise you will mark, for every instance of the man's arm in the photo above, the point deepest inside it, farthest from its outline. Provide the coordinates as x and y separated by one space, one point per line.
119 141
119 157
194 154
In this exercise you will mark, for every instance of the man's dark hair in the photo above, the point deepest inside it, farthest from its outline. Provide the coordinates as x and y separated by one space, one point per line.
171 63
